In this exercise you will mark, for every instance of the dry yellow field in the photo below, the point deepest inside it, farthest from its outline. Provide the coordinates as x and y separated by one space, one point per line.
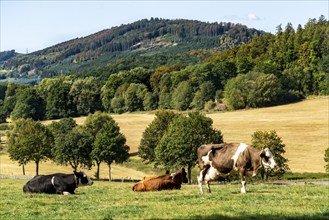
303 127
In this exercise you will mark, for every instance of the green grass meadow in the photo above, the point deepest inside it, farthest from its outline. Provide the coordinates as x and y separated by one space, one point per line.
114 200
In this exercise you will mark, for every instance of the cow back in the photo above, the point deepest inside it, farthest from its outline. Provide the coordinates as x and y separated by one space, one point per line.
39 184
167 181
203 151
50 183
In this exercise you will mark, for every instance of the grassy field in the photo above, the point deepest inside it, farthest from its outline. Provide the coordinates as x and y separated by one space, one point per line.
303 127
110 200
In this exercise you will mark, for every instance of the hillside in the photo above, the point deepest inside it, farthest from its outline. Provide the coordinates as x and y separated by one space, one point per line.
303 127
158 41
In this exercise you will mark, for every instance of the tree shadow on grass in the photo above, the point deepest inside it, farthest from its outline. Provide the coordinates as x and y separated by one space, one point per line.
317 216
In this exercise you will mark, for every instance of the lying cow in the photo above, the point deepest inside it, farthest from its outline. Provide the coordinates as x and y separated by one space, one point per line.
167 181
220 159
57 183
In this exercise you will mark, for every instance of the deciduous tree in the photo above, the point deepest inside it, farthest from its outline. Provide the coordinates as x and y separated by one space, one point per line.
109 146
29 141
154 132
178 147
73 148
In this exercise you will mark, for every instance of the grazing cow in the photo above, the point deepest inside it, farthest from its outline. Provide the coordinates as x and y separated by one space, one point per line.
220 159
57 183
167 181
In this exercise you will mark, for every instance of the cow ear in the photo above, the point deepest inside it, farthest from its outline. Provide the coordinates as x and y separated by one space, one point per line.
213 150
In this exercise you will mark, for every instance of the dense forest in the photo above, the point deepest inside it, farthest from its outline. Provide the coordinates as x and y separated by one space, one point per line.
271 69
147 43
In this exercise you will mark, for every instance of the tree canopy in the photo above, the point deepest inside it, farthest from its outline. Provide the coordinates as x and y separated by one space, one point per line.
30 141
178 147
110 145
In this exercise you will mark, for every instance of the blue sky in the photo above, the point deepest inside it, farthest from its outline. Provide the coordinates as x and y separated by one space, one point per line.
27 26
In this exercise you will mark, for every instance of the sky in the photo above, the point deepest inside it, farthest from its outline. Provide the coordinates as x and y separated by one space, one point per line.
28 26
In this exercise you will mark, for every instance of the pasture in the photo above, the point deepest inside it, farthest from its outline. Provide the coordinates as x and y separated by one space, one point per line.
303 127
113 200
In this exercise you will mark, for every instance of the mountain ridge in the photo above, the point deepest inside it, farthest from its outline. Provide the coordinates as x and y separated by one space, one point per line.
144 37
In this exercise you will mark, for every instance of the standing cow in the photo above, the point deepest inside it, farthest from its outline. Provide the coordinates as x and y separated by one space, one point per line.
167 181
220 159
57 183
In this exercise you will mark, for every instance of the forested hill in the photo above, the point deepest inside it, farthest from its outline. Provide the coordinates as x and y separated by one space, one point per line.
161 41
269 70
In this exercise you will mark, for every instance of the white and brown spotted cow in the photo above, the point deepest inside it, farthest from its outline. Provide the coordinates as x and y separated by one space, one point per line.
220 159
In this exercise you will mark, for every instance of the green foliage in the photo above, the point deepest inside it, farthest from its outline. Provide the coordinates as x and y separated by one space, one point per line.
29 141
29 104
154 132
56 93
110 145
3 114
149 102
62 127
94 122
326 159
86 95
134 97
73 148
252 90
182 96
203 95
178 147
270 139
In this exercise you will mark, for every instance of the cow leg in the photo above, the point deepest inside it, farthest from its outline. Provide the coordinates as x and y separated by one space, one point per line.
243 181
200 179
208 186
58 185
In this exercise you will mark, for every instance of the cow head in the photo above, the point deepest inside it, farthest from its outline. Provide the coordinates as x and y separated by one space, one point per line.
267 158
82 179
180 176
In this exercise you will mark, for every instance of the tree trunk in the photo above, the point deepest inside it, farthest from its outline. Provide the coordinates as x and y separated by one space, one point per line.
110 177
189 174
23 168
37 168
97 171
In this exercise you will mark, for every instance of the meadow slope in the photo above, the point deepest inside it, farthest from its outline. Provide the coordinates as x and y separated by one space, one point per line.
303 127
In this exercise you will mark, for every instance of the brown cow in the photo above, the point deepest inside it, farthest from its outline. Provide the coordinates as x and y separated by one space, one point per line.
167 181
220 159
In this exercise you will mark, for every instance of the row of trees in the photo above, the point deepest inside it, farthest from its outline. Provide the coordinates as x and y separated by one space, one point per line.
66 143
170 141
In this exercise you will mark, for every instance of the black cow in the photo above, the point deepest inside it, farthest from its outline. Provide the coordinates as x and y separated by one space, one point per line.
58 183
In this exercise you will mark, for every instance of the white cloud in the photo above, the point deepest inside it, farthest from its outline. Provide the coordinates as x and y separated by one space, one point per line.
252 17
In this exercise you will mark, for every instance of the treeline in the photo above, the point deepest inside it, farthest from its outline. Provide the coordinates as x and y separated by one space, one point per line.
270 70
